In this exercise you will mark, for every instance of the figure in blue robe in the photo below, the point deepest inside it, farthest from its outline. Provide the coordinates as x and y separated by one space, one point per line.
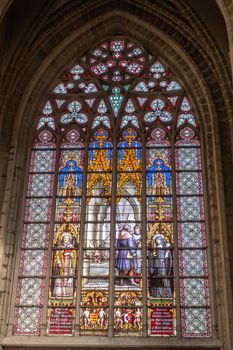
126 260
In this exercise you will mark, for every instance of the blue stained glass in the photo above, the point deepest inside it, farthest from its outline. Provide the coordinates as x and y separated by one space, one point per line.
77 70
141 86
70 179
158 166
185 106
95 145
71 166
101 118
49 120
47 108
101 143
60 89
121 151
126 144
129 136
129 118
186 117
158 69
93 108
173 85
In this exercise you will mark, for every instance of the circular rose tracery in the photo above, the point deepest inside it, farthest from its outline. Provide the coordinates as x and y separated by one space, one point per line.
117 60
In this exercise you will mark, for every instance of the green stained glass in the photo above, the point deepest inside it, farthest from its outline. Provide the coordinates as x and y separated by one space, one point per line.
126 87
125 205
116 100
105 87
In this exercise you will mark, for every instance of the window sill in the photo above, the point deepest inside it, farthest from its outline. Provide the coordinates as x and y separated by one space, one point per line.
82 342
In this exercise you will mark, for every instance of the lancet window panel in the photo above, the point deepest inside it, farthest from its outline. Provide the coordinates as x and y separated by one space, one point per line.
66 236
192 256
34 248
114 215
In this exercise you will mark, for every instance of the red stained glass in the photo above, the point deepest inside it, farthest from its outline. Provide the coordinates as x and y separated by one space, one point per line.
115 166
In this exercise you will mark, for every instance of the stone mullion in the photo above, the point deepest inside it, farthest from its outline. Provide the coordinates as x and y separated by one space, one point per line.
81 239
209 249
20 234
50 240
144 244
175 237
112 237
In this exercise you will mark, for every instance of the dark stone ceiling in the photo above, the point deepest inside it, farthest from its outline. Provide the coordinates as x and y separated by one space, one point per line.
21 14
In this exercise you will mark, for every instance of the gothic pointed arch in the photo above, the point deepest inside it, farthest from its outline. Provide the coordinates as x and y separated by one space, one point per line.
115 184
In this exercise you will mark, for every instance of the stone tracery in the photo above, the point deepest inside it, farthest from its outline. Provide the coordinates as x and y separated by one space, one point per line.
113 64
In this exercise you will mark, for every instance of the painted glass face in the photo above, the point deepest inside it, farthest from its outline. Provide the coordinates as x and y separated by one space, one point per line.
114 216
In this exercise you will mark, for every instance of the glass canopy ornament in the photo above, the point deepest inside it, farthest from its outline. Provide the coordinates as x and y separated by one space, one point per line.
114 234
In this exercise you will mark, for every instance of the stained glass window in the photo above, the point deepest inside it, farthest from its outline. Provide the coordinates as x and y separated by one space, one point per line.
114 234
